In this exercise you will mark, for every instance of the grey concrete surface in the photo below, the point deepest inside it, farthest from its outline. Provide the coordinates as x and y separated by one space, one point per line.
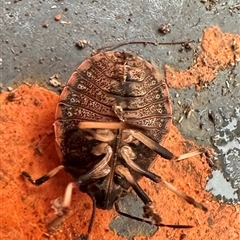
30 51
33 53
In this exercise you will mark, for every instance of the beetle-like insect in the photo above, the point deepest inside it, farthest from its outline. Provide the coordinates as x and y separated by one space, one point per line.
111 116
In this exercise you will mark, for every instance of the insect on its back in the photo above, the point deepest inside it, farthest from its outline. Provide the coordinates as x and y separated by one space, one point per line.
111 87
110 118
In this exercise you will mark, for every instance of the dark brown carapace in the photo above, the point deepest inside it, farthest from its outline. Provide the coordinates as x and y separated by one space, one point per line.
111 116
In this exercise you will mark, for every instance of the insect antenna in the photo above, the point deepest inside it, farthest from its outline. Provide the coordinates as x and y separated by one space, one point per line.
111 47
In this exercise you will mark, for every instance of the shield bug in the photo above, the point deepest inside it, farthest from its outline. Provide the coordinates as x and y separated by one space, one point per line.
111 116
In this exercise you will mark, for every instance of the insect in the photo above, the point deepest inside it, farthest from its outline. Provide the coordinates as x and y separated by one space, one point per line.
111 116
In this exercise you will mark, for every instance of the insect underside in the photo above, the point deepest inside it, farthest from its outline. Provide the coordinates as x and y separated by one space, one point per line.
110 119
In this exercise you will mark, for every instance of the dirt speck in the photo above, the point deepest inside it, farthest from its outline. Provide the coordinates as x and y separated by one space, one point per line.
58 17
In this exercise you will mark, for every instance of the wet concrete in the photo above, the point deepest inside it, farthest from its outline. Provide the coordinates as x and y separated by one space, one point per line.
35 47
227 141
221 188
213 119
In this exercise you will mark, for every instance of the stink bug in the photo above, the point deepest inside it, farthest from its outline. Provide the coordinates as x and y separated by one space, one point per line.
111 116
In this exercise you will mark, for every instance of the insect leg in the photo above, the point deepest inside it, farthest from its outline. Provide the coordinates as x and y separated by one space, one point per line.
153 221
107 125
188 155
152 144
101 169
123 171
165 153
61 207
44 178
62 210
183 195
102 135
128 155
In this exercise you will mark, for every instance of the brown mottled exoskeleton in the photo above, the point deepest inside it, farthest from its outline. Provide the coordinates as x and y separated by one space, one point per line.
111 116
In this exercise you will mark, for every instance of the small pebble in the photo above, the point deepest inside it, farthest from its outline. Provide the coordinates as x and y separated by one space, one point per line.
58 17
9 89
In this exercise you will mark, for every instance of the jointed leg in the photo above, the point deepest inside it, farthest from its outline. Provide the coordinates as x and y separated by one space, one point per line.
61 207
123 171
156 220
44 178
127 154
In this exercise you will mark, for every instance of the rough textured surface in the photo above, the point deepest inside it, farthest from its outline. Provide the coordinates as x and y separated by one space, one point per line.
219 51
35 45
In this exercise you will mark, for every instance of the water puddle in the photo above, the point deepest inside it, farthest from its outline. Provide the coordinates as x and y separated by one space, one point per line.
224 183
